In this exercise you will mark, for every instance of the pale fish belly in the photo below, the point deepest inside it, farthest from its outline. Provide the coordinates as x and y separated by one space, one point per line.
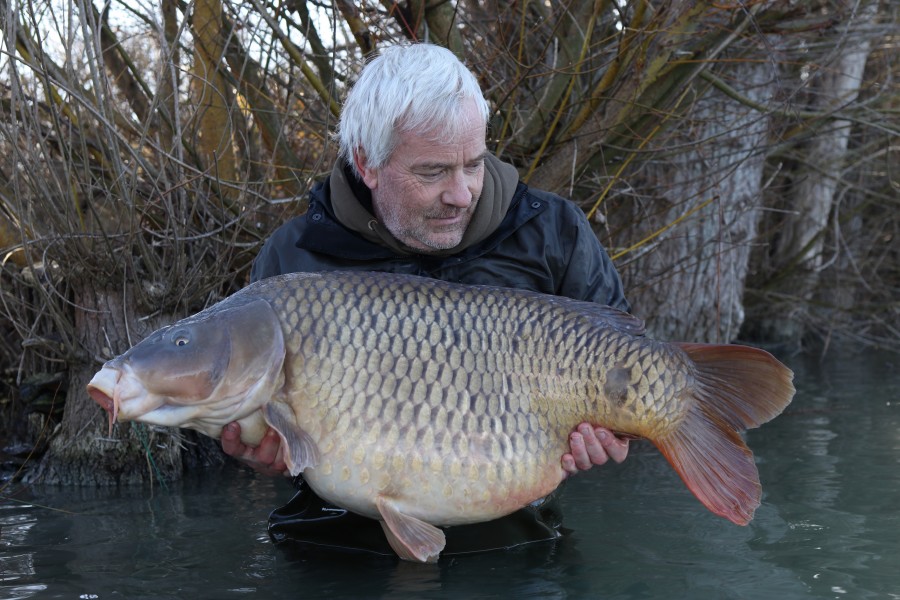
442 479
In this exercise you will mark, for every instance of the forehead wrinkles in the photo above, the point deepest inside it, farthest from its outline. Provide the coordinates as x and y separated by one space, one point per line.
421 151
444 160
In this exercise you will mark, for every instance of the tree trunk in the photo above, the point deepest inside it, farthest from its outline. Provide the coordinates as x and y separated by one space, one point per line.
800 250
215 98
169 76
83 452
688 281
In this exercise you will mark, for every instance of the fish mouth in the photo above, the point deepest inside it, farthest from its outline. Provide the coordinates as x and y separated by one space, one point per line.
104 389
122 394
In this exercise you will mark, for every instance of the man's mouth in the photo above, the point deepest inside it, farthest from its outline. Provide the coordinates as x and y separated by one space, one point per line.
453 218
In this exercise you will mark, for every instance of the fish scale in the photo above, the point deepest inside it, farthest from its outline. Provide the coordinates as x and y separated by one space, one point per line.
423 403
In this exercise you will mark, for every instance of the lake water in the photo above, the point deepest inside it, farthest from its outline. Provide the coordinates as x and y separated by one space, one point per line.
829 525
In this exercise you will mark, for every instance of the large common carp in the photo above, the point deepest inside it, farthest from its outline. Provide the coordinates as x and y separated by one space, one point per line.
419 402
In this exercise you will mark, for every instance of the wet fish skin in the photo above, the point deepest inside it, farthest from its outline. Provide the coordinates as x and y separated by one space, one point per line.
419 402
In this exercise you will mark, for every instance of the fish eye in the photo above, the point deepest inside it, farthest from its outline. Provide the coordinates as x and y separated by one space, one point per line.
181 338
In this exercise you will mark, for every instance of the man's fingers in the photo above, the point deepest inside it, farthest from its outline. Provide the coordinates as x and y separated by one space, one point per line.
267 458
568 465
584 446
268 448
596 452
591 446
231 441
614 447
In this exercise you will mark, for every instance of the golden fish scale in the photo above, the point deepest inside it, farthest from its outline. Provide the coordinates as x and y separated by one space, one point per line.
465 395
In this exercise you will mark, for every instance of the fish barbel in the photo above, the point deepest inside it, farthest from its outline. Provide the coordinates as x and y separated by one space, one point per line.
423 403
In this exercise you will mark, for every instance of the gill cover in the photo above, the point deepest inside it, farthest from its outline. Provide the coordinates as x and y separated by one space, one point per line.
193 360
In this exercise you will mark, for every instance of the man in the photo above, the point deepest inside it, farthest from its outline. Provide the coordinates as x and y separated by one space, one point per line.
415 191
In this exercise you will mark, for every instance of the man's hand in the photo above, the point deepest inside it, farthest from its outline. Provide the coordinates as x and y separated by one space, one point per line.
590 446
267 458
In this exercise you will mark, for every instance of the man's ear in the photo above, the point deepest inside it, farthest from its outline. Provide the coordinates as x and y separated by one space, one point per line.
369 175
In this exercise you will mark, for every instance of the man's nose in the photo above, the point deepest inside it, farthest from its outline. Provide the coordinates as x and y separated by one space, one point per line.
458 192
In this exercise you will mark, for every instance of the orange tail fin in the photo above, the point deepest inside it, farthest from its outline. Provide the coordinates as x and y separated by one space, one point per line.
738 388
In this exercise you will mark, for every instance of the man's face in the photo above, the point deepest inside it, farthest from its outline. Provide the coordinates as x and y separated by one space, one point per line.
427 191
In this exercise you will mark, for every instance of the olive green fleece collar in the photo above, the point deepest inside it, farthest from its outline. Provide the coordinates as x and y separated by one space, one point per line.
500 181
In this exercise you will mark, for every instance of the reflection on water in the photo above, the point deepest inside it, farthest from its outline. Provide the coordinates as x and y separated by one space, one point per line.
828 528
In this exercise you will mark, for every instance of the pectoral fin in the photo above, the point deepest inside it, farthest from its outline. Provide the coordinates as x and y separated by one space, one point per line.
300 449
411 538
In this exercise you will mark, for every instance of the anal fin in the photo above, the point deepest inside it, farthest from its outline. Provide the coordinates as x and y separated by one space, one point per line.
300 450
411 538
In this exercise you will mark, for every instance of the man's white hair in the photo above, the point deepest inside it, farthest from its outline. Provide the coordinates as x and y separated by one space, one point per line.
413 87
